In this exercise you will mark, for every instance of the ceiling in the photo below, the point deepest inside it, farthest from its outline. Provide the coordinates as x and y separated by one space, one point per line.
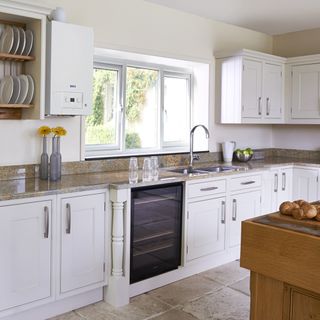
268 16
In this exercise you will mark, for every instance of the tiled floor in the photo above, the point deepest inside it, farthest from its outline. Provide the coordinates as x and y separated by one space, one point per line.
218 294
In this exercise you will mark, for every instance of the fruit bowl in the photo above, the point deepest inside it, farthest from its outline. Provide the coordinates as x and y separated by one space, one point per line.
244 155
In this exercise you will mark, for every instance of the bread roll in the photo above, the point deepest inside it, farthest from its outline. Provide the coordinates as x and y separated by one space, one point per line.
300 202
318 215
309 210
297 213
287 207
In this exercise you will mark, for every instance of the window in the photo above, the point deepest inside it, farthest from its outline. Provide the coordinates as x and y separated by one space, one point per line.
138 109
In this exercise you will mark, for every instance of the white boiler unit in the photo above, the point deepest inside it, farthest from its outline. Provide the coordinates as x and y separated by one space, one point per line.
69 69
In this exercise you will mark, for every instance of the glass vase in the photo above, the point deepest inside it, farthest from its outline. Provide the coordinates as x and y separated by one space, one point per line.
44 161
55 160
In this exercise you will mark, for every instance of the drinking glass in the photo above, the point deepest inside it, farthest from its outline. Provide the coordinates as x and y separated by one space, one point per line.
133 170
155 168
147 170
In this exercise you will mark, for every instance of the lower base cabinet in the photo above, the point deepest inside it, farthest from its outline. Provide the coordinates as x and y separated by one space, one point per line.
25 253
243 206
206 227
82 241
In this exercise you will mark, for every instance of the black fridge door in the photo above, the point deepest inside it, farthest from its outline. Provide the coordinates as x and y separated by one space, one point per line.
156 215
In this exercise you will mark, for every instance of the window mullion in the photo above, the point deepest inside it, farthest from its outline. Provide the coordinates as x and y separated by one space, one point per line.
161 102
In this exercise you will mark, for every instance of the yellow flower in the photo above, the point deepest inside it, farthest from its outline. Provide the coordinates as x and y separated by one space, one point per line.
44 131
59 131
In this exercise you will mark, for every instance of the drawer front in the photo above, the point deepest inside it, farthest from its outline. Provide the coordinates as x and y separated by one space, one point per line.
245 182
206 188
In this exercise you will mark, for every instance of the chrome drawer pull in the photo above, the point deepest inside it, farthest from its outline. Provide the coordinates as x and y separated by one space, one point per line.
234 210
276 181
259 106
284 181
248 182
223 212
68 217
209 189
46 222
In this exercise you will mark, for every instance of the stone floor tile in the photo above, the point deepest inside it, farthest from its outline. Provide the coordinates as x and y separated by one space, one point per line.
174 314
225 304
140 307
185 290
227 274
68 316
242 286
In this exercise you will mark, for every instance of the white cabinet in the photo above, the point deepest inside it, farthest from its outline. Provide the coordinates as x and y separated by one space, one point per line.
205 227
305 91
82 241
250 88
305 184
243 206
25 253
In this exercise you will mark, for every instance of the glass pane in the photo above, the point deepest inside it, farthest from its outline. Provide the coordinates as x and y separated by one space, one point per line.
141 130
176 109
102 124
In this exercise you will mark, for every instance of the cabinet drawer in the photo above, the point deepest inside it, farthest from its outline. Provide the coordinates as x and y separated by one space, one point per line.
206 188
245 182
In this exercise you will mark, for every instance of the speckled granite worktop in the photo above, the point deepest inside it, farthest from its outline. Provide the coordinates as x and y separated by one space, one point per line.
31 187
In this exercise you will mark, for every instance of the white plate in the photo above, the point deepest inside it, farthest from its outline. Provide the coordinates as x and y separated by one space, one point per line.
16 40
29 43
30 93
6 89
22 43
16 90
6 41
24 86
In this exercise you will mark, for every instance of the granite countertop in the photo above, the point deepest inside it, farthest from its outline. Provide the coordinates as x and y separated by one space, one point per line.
31 187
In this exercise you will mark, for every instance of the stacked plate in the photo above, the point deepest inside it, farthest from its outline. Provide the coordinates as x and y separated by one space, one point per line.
15 40
17 89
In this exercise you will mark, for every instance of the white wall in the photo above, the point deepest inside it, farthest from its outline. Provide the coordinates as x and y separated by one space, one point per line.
137 26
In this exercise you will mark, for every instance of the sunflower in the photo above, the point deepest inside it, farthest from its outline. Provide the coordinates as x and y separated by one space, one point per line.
44 131
59 131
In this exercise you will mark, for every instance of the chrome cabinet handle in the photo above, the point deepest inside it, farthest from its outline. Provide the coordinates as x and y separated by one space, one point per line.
234 209
46 222
268 106
68 217
209 189
223 212
259 106
248 182
275 182
284 181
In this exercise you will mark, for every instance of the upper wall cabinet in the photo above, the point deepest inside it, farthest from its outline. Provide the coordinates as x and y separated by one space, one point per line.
303 90
22 60
250 87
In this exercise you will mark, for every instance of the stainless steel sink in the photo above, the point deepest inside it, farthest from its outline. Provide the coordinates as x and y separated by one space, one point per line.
204 170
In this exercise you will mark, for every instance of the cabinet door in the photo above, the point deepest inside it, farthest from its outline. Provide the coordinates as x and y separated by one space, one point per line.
205 227
252 89
25 253
284 186
82 241
272 88
305 92
305 184
244 206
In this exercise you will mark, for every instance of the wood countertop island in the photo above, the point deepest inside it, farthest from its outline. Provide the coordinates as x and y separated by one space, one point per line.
283 255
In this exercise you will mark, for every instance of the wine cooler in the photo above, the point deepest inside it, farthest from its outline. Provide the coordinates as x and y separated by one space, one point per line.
156 217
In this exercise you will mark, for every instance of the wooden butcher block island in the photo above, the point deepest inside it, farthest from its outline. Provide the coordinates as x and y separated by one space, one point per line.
283 255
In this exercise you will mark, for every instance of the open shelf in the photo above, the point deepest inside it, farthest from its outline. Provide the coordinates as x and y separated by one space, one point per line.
15 106
15 57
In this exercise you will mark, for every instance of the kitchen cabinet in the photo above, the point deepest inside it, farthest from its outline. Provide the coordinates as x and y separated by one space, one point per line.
243 206
205 227
250 87
305 184
82 241
25 252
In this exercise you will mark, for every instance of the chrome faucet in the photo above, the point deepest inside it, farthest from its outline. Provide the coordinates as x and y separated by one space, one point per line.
191 141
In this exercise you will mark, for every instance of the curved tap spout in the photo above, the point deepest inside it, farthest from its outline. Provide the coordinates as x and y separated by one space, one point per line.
191 140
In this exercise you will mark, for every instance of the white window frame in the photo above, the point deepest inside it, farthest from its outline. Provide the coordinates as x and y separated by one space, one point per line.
104 151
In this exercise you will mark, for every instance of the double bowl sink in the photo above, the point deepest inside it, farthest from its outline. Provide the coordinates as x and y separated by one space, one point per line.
205 170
